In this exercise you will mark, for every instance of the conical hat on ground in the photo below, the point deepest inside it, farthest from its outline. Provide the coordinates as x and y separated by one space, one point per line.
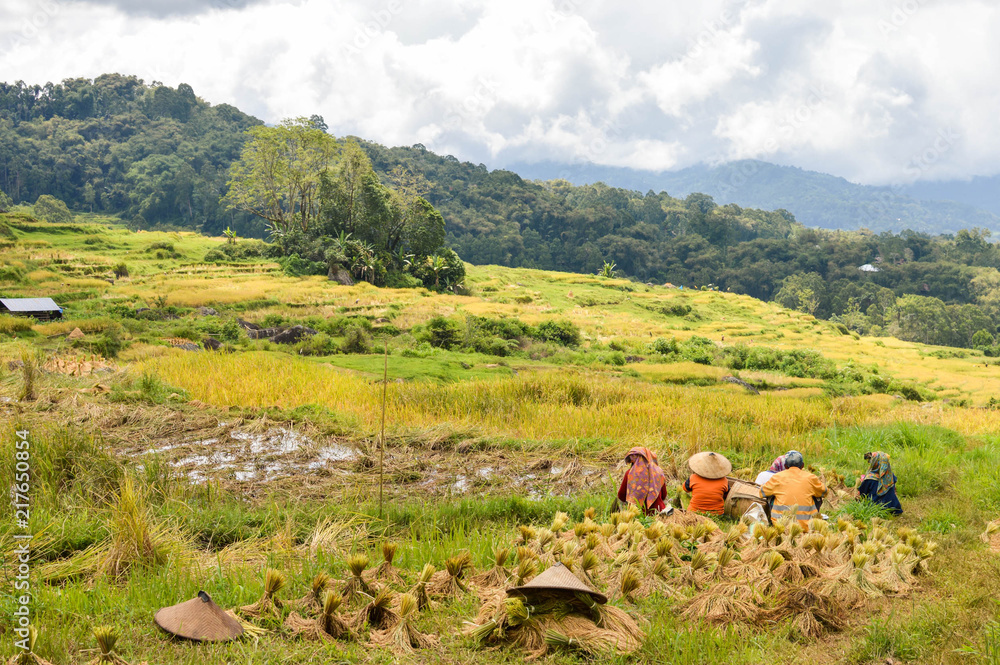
710 465
199 619
558 578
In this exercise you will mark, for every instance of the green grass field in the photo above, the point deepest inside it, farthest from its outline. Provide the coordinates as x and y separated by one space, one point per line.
266 455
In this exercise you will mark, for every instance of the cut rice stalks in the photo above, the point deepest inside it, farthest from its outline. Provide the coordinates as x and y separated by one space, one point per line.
448 583
498 575
313 601
269 605
107 639
29 657
386 572
419 591
377 614
356 584
329 625
403 636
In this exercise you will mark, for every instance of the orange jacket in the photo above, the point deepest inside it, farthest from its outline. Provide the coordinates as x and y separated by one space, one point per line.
794 487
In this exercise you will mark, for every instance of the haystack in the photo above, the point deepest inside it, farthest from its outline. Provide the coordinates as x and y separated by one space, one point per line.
377 614
498 575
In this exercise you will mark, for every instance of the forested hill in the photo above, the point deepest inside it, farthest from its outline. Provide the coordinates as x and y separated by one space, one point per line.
156 155
816 199
150 153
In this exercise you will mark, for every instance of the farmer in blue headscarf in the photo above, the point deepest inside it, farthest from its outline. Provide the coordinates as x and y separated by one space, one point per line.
879 484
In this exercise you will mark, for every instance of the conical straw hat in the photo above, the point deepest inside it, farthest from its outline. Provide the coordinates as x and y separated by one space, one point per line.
199 619
710 465
558 578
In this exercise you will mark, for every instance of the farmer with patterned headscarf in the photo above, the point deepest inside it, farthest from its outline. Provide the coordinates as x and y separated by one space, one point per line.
777 466
879 484
644 483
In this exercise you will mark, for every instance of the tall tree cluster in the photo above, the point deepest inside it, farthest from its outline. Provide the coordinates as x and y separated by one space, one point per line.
329 211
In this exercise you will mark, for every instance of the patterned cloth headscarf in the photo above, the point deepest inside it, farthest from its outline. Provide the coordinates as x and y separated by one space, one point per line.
645 478
881 471
778 465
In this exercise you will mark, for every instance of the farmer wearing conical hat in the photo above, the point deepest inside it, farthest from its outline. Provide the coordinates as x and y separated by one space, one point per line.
707 484
879 484
795 491
644 484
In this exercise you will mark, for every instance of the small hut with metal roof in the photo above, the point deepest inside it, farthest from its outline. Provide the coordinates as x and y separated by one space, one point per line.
43 309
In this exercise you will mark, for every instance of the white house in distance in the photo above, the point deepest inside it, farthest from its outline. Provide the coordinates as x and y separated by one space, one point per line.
42 309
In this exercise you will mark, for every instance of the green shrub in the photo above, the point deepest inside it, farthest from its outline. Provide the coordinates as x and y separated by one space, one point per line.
214 256
563 332
5 202
296 266
231 331
666 347
356 340
120 269
616 358
443 333
319 344
161 245
109 343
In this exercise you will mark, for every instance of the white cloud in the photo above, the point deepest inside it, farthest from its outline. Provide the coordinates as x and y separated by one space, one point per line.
858 88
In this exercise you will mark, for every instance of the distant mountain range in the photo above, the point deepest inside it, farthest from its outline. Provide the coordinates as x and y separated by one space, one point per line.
816 199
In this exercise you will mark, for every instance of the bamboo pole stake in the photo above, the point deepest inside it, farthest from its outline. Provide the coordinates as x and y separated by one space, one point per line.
381 448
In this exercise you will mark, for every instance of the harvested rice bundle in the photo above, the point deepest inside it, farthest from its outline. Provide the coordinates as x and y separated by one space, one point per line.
629 557
814 613
498 575
606 530
419 591
767 582
545 539
727 562
448 582
253 630
107 638
628 583
385 571
526 569
29 657
313 600
527 535
329 625
559 522
795 571
403 636
581 634
858 573
721 603
736 534
516 622
696 568
378 613
589 567
356 584
269 605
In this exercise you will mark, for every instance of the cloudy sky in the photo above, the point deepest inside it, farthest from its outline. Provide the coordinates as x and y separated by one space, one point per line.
877 91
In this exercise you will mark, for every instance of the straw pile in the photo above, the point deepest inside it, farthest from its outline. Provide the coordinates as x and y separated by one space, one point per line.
781 573
28 657
548 619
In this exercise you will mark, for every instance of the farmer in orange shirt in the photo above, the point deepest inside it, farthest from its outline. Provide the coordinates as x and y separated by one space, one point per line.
708 485
795 489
